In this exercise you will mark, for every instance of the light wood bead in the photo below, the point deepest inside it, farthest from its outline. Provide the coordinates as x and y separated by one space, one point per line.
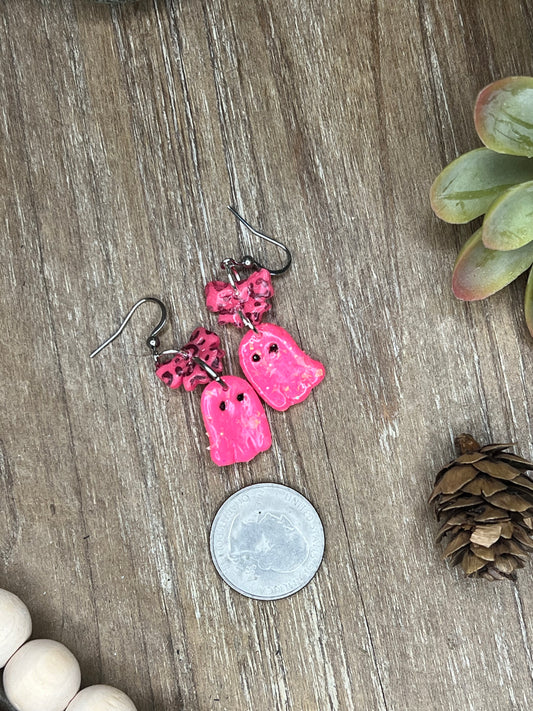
101 698
42 675
15 625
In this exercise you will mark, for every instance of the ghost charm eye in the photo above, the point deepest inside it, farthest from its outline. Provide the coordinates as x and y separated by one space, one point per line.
280 372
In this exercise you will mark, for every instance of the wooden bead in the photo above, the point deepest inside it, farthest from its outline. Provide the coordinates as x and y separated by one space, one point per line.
42 676
15 625
101 698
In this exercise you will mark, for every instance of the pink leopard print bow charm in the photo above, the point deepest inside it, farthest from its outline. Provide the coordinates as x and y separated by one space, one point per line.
250 297
182 369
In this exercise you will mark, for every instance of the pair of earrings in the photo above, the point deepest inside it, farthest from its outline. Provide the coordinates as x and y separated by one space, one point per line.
277 370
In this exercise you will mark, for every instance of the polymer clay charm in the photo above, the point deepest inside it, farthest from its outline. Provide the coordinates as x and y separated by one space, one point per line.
184 368
234 417
235 421
247 297
281 373
278 369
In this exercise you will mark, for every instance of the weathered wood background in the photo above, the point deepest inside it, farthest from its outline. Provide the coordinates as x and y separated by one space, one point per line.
124 134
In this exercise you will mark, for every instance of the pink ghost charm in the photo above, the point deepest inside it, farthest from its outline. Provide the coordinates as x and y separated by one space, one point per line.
278 369
235 421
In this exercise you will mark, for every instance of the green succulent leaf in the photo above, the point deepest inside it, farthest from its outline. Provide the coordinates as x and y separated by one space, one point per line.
503 115
508 223
480 272
469 185
528 302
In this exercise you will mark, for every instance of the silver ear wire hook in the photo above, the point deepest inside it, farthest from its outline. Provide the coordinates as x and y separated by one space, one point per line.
248 261
152 341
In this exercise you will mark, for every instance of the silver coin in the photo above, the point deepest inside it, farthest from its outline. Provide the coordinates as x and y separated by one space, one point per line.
267 541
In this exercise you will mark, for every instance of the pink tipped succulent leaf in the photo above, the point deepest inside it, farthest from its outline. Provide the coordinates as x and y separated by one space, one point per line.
508 223
466 188
480 272
528 302
503 115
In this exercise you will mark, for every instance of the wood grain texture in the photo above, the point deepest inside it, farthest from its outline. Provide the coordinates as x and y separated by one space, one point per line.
124 133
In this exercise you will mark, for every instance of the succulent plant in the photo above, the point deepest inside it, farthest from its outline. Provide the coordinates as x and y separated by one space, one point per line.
495 181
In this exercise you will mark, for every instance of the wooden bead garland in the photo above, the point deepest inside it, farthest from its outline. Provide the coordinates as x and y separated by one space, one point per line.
15 625
101 698
43 675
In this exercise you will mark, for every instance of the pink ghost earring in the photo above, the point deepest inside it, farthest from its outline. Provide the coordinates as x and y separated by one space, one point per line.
278 369
234 417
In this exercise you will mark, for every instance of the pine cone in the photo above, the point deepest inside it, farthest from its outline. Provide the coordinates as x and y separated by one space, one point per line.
486 500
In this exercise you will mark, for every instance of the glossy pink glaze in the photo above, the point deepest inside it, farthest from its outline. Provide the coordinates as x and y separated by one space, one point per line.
182 370
251 296
278 369
235 421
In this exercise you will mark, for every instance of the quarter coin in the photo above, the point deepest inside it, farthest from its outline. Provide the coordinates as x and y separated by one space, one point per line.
267 541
